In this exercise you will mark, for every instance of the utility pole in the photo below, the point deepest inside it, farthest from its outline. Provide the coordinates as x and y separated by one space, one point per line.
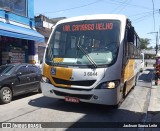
156 40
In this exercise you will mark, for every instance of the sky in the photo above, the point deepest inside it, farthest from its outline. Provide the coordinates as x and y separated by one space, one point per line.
144 14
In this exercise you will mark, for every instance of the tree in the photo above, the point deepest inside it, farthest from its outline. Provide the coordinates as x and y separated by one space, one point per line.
150 47
144 43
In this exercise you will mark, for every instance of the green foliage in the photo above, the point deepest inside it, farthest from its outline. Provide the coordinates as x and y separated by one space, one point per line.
144 43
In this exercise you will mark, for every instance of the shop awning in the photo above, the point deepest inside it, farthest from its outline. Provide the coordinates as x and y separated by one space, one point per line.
20 32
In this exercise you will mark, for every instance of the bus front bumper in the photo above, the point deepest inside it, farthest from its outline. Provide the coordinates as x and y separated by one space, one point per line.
97 96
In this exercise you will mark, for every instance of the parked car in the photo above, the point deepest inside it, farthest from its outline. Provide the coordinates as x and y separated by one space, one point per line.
17 79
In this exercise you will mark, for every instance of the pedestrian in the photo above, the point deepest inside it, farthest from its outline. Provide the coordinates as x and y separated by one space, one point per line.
157 69
146 63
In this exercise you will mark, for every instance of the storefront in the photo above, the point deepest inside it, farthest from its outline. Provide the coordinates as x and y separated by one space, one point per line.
18 36
18 44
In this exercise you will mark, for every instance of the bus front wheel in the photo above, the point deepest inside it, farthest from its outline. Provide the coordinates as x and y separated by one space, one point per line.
124 91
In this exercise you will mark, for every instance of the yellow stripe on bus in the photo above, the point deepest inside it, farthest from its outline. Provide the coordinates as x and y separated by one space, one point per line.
61 73
128 72
58 59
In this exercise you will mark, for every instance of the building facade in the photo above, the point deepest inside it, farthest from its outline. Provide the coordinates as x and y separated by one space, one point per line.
44 26
18 35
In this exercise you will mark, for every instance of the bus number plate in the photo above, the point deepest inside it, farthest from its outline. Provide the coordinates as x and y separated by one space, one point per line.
90 74
72 99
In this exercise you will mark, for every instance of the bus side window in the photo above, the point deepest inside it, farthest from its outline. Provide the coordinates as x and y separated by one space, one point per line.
125 50
126 45
130 35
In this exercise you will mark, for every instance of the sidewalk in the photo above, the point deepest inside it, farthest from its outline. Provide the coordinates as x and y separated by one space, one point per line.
154 105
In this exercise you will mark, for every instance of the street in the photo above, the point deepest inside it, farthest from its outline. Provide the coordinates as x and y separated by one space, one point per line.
35 107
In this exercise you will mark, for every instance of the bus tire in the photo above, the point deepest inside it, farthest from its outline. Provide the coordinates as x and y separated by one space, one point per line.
39 89
135 82
115 106
124 91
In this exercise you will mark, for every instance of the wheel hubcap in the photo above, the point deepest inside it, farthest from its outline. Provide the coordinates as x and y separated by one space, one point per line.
7 95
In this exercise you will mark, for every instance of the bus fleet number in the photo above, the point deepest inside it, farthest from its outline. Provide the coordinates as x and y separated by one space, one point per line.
90 73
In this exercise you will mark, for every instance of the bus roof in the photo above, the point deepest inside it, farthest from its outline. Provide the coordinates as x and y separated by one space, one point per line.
95 17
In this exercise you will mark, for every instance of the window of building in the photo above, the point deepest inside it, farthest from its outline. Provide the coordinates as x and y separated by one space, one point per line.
16 6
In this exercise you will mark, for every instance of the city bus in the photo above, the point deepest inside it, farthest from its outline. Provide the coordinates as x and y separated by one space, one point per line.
92 59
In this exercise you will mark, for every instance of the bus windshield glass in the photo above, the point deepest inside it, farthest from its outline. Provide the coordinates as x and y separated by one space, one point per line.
92 42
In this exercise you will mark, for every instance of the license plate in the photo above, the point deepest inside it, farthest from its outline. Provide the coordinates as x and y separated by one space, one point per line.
72 99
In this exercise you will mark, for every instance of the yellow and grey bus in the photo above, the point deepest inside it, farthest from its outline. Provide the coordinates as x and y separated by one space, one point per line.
92 59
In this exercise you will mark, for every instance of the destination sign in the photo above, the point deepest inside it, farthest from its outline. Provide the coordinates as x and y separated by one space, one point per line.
88 27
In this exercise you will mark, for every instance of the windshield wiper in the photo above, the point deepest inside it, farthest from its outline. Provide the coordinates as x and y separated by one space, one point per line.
88 57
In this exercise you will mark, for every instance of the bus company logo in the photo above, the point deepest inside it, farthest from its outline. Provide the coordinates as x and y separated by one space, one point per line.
6 125
53 71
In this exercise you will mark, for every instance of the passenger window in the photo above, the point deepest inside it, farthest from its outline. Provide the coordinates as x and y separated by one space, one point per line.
23 70
32 69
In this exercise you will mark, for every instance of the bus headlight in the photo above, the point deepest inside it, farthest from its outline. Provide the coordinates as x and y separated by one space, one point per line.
110 85
45 79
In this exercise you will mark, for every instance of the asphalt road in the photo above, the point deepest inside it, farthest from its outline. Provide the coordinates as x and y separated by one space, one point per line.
37 108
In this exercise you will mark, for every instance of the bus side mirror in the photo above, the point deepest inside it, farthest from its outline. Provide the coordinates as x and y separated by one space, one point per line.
131 35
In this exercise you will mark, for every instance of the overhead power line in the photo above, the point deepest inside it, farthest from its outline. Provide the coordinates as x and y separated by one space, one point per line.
73 7
111 2
146 14
139 14
144 17
121 6
122 3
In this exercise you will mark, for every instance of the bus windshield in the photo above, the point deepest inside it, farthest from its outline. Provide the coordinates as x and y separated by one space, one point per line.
92 42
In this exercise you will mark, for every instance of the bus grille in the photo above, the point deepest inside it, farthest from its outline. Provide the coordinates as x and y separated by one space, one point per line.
80 96
78 83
